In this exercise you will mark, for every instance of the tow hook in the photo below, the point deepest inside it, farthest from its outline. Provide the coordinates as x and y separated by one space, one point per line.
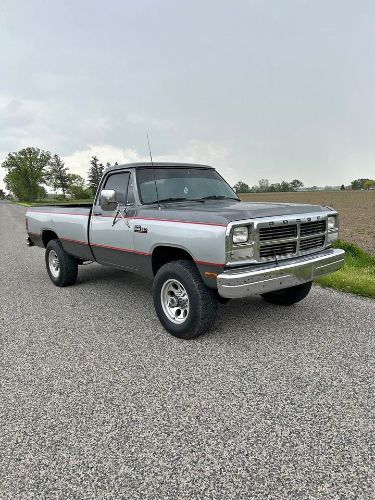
29 243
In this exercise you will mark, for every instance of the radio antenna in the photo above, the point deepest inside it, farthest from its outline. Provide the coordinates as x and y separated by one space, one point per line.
153 170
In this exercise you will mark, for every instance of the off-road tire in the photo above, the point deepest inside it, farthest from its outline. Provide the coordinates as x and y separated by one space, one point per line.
288 296
68 265
203 304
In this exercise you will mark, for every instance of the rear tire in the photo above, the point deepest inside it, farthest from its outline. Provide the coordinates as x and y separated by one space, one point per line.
62 268
184 305
288 296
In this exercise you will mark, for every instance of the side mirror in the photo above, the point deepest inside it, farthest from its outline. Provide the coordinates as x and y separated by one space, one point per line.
108 199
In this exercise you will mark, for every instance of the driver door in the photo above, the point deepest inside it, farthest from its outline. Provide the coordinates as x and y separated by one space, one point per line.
111 237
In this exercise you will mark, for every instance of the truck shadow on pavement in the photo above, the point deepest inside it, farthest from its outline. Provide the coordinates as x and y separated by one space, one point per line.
250 318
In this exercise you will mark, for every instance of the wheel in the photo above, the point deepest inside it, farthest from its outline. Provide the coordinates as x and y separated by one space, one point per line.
62 268
184 305
288 296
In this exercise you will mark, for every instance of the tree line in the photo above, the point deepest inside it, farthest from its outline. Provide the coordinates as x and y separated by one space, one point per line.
264 186
31 170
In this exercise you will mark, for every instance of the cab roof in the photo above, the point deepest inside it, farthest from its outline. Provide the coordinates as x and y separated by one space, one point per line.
157 164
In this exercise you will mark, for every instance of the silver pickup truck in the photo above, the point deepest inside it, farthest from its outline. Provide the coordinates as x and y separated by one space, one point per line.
184 226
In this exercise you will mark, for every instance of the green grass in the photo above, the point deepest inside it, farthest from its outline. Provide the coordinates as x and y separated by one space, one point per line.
23 203
358 274
52 202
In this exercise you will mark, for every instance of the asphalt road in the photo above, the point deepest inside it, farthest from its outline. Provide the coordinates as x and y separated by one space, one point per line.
98 401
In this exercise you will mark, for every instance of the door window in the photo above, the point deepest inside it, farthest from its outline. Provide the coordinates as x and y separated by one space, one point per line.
119 183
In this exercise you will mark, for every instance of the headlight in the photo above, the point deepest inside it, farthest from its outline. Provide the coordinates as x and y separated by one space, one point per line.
240 234
332 222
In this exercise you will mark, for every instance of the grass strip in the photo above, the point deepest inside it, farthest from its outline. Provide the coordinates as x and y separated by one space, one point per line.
22 203
358 274
52 202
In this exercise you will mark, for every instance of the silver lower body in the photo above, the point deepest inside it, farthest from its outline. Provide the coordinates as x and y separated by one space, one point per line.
270 277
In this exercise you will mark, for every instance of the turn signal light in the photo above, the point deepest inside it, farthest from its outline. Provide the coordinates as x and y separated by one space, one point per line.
210 275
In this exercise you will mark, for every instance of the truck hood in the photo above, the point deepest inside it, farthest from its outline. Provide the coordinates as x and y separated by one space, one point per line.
225 211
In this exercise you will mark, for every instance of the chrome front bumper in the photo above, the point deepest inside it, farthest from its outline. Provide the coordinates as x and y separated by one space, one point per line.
270 277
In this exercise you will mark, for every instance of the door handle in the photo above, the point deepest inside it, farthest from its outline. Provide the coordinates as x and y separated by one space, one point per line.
123 217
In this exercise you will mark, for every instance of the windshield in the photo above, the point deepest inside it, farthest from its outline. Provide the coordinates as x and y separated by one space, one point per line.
180 184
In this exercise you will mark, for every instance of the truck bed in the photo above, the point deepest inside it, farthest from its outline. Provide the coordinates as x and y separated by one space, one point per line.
68 222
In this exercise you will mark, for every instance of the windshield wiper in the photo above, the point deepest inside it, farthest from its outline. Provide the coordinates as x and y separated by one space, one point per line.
167 200
219 197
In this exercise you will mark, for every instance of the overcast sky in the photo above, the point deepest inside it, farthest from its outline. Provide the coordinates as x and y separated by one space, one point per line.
276 89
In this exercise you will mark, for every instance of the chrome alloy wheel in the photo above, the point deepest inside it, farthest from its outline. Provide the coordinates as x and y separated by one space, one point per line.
54 264
175 301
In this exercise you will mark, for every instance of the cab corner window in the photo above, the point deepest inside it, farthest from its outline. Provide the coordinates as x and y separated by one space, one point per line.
130 199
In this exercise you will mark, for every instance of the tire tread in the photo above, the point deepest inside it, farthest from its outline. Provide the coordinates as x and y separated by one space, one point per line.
68 265
206 312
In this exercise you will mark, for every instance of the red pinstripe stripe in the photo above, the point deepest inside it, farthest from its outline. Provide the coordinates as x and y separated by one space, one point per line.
119 249
128 250
180 221
204 263
74 241
133 218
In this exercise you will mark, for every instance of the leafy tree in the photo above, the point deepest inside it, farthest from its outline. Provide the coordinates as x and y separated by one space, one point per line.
296 184
263 185
241 187
77 187
2 194
368 184
95 174
359 183
42 193
26 171
342 187
58 175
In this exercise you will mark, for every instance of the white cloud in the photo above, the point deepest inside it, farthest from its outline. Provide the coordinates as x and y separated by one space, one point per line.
194 152
213 154
79 161
270 85
26 122
148 121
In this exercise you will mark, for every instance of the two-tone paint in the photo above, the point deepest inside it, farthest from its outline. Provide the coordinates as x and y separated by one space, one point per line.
130 241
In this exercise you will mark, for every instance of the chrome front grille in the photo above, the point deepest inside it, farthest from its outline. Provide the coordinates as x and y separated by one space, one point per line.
290 237
277 232
288 248
315 227
311 243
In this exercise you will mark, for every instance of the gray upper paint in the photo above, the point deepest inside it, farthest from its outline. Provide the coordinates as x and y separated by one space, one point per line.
198 228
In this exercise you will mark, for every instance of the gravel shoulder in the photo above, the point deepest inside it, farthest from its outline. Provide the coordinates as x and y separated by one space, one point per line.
98 401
